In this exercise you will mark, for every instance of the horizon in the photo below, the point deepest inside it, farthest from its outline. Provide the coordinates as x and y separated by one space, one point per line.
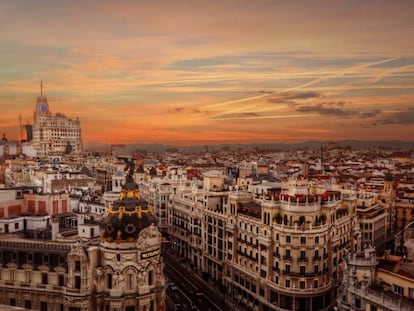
206 73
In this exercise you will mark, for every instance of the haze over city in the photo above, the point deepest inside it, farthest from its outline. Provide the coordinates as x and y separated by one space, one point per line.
205 72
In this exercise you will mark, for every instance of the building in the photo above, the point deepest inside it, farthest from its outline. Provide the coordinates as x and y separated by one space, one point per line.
120 271
279 250
54 134
373 219
383 284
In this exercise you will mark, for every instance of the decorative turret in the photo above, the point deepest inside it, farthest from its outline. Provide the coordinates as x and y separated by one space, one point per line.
129 215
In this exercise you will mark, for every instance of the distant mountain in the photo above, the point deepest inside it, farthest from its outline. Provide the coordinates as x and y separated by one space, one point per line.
130 148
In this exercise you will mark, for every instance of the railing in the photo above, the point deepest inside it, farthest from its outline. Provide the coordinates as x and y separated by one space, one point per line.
21 244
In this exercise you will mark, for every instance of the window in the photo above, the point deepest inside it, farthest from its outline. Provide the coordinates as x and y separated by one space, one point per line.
316 269
302 240
302 270
43 306
28 276
16 225
130 308
302 284
12 301
109 281
77 282
27 304
151 278
261 292
61 280
77 265
44 278
287 283
129 281
315 284
287 268
316 240
288 239
398 290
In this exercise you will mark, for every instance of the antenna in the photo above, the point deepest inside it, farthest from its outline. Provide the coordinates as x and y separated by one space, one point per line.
41 88
21 128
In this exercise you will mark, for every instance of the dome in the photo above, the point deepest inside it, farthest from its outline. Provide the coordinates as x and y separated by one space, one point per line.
125 219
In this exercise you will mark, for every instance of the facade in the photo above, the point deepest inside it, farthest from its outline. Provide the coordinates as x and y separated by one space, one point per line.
373 219
54 134
283 250
121 271
384 284
404 208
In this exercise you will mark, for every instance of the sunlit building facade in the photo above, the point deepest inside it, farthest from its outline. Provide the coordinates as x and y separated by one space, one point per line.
54 134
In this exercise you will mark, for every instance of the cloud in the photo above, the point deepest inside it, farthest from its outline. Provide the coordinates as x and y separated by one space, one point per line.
400 117
334 109
289 96
370 114
243 115
337 109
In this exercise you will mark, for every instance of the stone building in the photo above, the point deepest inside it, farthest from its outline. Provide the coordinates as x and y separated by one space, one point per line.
121 271
385 283
282 250
54 134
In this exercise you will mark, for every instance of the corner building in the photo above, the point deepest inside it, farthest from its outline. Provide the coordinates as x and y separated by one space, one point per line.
121 272
286 250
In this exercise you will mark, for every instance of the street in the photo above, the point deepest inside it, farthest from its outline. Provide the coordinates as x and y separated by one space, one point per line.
189 292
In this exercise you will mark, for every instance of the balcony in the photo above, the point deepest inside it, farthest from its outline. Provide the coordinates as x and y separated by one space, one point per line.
303 259
288 258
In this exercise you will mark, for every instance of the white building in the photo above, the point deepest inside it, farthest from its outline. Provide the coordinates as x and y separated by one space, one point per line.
54 134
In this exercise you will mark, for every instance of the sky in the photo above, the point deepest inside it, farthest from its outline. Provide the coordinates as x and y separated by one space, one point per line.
212 72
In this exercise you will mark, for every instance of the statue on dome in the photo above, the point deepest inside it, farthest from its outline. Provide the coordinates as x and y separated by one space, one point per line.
130 167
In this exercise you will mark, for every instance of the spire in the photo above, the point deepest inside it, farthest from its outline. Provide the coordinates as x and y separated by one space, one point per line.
41 88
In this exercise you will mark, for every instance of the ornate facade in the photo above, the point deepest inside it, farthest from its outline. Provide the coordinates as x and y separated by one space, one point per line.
54 134
283 250
121 272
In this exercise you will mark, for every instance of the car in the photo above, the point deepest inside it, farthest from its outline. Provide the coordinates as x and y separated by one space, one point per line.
199 293
173 286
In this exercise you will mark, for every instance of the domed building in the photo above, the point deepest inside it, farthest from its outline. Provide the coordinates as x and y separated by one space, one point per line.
123 271
130 275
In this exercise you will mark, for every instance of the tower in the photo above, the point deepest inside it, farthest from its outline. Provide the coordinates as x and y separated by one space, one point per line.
42 106
131 268
53 133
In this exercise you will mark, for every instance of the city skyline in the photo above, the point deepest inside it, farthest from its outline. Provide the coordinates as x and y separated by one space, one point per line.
189 73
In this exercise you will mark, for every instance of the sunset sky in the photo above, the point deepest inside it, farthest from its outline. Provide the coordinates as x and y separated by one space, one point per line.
207 72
